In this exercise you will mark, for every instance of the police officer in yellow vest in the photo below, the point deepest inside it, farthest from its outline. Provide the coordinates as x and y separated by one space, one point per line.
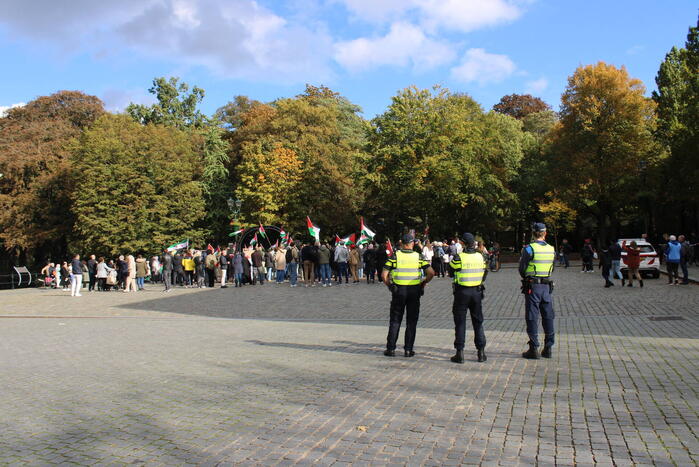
535 267
469 274
402 274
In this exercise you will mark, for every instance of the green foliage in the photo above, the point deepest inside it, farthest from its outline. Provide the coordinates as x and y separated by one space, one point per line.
176 106
438 155
678 110
326 134
136 187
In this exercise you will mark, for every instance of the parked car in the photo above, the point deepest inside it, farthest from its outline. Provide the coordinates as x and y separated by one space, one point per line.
650 262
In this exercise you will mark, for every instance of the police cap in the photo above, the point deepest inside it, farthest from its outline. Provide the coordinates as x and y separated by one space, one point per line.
407 238
539 227
468 238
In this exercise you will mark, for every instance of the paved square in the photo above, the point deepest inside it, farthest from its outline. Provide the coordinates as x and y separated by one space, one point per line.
278 376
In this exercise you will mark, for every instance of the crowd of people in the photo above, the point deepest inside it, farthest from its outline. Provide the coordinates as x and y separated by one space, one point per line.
309 264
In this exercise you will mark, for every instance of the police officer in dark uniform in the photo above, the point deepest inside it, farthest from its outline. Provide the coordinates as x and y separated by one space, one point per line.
535 267
469 274
402 274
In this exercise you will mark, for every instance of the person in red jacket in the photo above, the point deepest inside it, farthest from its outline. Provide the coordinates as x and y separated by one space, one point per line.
632 261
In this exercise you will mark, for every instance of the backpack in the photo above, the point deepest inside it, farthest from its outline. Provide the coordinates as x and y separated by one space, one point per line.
289 255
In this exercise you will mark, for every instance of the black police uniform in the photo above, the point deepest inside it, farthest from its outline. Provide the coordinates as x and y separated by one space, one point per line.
404 298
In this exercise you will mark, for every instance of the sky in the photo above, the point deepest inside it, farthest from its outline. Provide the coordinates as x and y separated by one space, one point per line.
367 50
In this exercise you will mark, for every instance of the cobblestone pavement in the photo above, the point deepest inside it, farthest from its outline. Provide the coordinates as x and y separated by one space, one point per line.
277 376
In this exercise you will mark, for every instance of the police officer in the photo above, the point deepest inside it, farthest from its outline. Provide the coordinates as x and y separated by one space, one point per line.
469 274
535 266
402 274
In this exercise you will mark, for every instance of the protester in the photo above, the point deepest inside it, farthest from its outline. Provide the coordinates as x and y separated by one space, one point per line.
92 272
280 264
370 263
341 258
308 259
615 253
141 272
353 262
258 264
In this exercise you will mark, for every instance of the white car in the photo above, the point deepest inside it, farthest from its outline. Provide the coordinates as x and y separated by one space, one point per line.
650 262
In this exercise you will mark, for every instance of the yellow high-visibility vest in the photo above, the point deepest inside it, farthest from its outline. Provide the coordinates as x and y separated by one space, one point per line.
541 263
472 269
407 271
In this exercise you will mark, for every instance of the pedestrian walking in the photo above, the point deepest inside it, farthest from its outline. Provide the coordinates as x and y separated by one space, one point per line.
605 263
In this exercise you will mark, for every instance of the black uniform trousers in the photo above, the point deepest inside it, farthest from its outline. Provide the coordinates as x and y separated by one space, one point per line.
406 297
468 299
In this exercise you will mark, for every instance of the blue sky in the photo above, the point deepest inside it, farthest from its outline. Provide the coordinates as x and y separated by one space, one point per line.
365 49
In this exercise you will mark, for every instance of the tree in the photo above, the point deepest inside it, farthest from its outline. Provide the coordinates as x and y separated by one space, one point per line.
325 132
144 191
232 113
677 98
436 154
267 178
604 137
34 190
557 215
176 106
520 105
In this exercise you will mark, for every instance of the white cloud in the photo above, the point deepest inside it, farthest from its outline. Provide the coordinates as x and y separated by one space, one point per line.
405 44
433 15
537 86
483 67
5 108
235 38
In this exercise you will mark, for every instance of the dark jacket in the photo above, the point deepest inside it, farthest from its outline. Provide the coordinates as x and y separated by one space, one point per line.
167 262
324 255
370 258
92 266
77 266
615 252
308 253
256 258
177 263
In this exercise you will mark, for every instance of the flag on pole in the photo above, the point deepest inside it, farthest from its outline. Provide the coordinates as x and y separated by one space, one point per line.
282 234
262 230
389 248
210 248
179 246
363 240
291 240
253 242
237 232
313 229
364 230
350 239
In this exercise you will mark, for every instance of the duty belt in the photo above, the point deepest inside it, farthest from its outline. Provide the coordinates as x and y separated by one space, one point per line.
538 280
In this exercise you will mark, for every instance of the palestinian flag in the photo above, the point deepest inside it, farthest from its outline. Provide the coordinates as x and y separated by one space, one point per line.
179 246
337 239
210 248
262 230
253 242
237 232
350 239
282 234
389 248
313 229
363 240
364 230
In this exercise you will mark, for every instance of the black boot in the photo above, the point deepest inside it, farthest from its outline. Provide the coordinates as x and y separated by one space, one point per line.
459 357
546 353
641 283
481 355
389 353
408 353
532 353
623 282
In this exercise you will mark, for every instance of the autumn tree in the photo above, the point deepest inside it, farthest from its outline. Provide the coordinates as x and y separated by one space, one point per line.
268 175
327 135
604 138
677 98
520 105
35 189
137 187
437 158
